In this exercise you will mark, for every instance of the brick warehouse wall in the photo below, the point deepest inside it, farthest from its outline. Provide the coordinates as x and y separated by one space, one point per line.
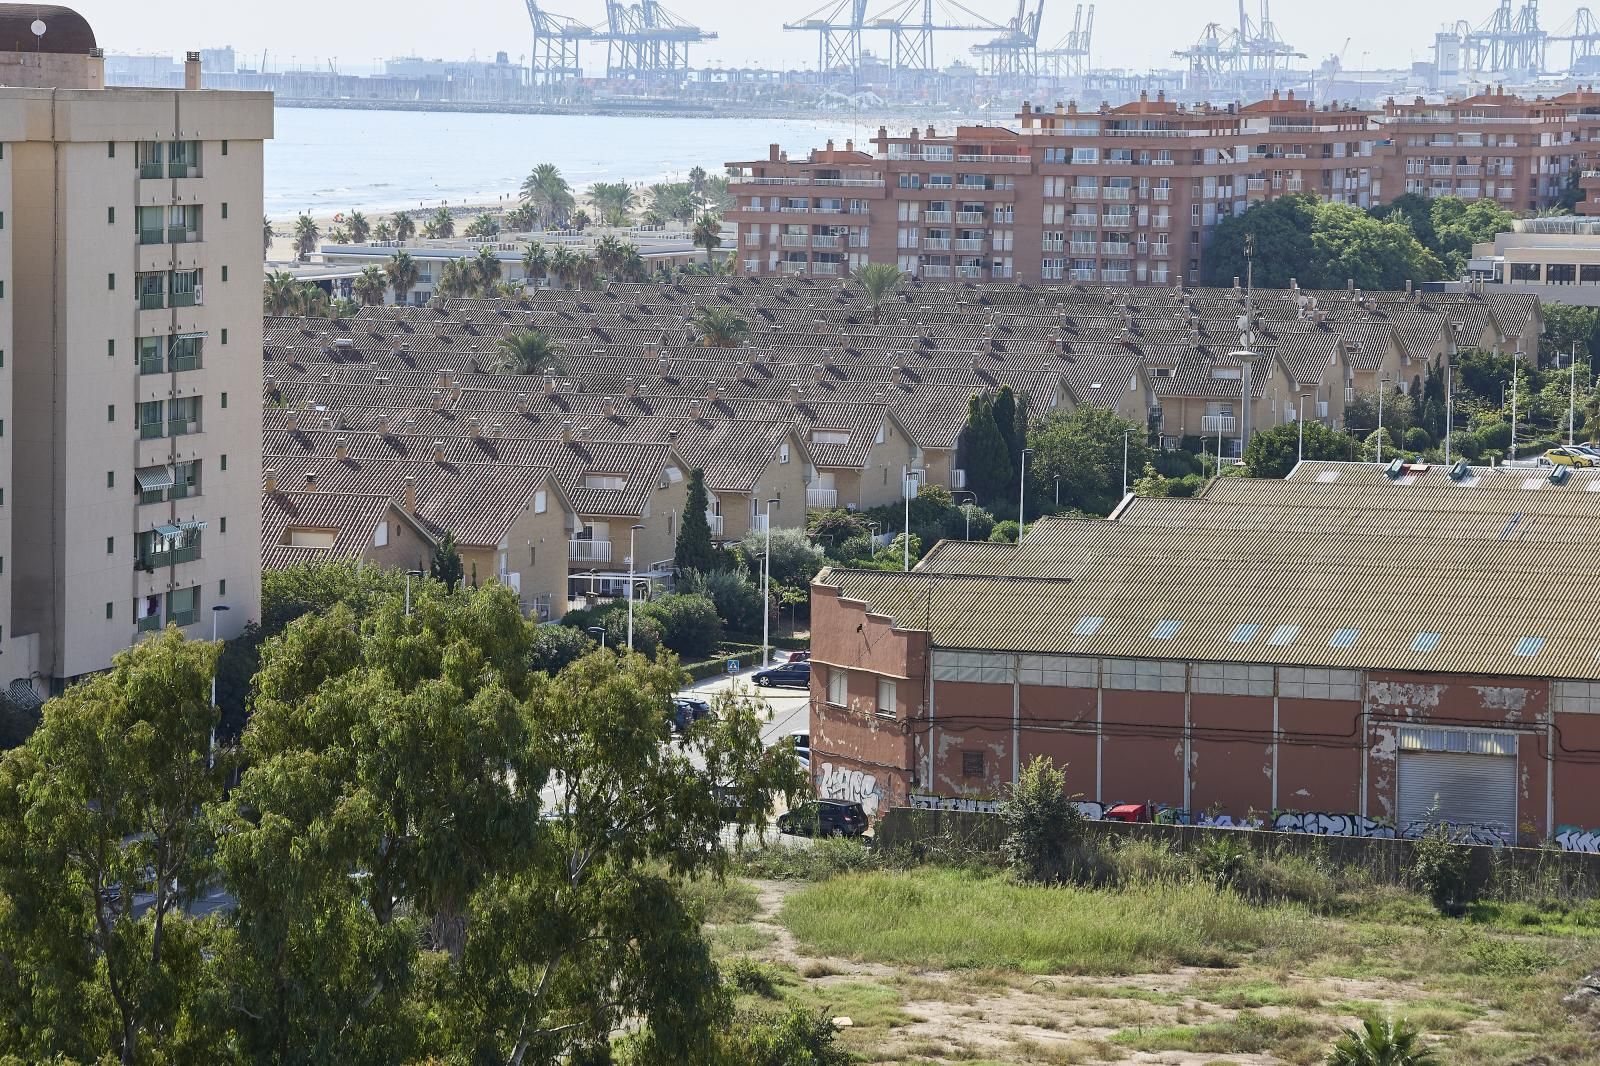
1228 738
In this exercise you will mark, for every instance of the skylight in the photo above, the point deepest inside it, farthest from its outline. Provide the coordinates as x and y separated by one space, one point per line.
1283 635
1086 627
1425 642
1165 630
1529 645
1344 638
1245 633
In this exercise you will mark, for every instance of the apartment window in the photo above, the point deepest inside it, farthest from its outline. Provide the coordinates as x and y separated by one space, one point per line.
150 361
184 416
150 222
111 348
886 697
111 149
111 216
111 545
111 412
110 612
224 209
149 419
224 332
224 147
222 524
111 479
838 686
224 273
972 764
224 461
222 588
224 401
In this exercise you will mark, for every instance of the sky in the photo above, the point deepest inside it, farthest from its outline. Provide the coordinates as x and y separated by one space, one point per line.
1128 33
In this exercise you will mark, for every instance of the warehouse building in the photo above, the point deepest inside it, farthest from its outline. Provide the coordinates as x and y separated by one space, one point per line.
1383 645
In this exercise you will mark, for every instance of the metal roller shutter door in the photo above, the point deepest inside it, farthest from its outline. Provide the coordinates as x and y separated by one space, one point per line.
1479 790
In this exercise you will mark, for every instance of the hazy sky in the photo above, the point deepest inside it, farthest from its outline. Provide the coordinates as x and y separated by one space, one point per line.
1137 33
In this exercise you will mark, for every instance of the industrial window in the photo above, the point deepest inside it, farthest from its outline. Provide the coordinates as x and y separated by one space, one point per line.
1458 741
223 524
1086 627
1425 642
1283 635
886 696
1343 638
224 209
1317 683
222 588
1145 675
1232 679
838 686
224 272
111 479
224 335
111 281
974 667
1575 697
224 400
1529 645
111 545
972 764
1165 630
1245 633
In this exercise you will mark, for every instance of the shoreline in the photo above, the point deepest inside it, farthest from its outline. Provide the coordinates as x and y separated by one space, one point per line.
643 109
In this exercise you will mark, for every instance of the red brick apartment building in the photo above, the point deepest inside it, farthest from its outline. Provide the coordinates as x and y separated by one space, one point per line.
1129 194
1346 642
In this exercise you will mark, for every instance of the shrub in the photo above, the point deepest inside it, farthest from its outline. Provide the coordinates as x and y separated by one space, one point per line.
1417 439
1381 1043
855 549
1045 829
553 648
798 1038
751 978
1442 866
1004 532
795 559
689 624
957 526
736 597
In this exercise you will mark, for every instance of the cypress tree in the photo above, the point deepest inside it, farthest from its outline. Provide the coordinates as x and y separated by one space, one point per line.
988 460
694 550
1005 420
446 565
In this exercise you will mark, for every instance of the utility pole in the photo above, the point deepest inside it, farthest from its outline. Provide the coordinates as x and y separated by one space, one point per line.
1383 386
1449 358
1572 397
1022 494
905 495
1514 363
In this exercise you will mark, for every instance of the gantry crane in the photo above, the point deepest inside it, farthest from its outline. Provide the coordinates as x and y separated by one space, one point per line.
1582 36
646 41
1221 60
1070 57
838 27
912 24
555 45
1014 55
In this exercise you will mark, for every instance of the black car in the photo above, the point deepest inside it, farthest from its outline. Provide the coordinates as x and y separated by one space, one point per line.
824 818
687 710
789 675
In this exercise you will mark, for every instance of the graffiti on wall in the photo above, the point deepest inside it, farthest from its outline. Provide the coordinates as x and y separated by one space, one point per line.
850 786
1571 838
1331 825
1088 808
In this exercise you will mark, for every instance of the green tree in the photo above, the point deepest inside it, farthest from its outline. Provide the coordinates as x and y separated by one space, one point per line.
737 598
529 351
1458 225
266 237
403 274
280 293
1568 328
1011 419
694 550
456 279
1085 449
316 588
1044 828
707 233
445 567
879 281
1272 453
795 557
485 225
1350 245
370 285
103 842
564 267
1415 210
608 252
986 456
1381 1042
689 624
486 270
535 262
673 200
405 227
720 326
306 234
360 229
614 200
1282 229
441 224
547 192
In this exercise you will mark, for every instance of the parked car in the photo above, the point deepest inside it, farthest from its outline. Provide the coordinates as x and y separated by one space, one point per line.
789 675
800 743
799 656
1570 457
686 710
824 818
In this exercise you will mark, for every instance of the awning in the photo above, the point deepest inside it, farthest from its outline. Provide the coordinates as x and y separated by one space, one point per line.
151 478
168 531
192 526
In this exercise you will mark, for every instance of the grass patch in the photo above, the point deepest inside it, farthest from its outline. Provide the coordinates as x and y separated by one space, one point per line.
1288 1036
824 859
726 901
740 939
959 920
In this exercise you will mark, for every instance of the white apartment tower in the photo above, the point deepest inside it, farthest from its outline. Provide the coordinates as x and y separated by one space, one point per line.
130 346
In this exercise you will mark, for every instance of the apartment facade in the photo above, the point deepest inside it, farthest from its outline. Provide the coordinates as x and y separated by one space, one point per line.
1130 194
134 256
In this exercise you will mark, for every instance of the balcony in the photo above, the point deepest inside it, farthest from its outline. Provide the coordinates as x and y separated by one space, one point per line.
1349 395
150 430
971 218
1115 248
151 301
824 241
758 523
151 236
936 272
958 480
1083 274
1078 247
715 521
1116 221
182 427
150 623
183 619
787 210
180 363
791 266
752 266
752 240
1161 194
825 269
589 551
796 240
936 244
185 299
1158 277
183 170
936 216
152 560
182 235
1216 423
151 170
1085 220
851 183
1255 184
1115 192
972 273
968 244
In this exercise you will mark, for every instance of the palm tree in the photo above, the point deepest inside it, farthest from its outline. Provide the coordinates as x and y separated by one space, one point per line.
613 199
344 307
403 274
587 271
305 236
311 300
580 220
697 180
879 281
337 235
528 351
486 270
405 227
721 327
522 218
608 250
456 279
563 267
279 293
266 236
360 229
442 223
483 226
633 268
384 232
548 193
707 233
370 285
1381 1043
535 263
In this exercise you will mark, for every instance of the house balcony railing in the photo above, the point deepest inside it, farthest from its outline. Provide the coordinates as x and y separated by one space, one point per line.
936 244
796 240
971 218
825 269
151 170
968 244
715 521
151 301
589 551
936 216
1216 423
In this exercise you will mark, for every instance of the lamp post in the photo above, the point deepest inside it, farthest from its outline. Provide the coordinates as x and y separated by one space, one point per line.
633 531
599 631
766 587
1125 434
966 508
1383 387
1022 493
1300 416
409 575
1057 479
211 747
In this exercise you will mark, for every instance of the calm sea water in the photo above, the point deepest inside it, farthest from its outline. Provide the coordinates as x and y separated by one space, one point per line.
325 161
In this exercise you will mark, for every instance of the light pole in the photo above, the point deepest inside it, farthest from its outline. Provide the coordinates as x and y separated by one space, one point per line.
1300 416
905 495
1515 362
1022 493
409 575
966 508
1572 397
1057 480
599 631
766 589
633 531
1383 387
211 747
1124 463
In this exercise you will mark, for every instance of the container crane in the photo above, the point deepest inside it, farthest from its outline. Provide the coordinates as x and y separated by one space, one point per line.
1582 36
1070 57
1015 53
838 28
912 24
646 41
555 45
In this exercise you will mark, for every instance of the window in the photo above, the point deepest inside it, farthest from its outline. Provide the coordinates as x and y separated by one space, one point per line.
1086 627
224 209
1528 646
111 348
224 147
111 412
224 272
886 697
380 535
1425 642
111 149
1165 630
183 606
830 436
224 332
111 281
224 401
222 524
1344 638
783 452
838 686
111 479
111 545
1245 633
110 612
222 587
972 764
111 216
606 482
224 465
1283 635
541 502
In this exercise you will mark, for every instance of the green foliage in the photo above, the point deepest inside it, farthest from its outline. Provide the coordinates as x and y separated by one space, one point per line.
985 453
1004 532
1458 225
1569 328
795 557
737 598
529 351
721 326
1155 484
694 550
314 588
797 1038
1443 867
878 282
1010 418
690 625
445 566
1085 449
1044 830
553 648
1320 244
1272 453
1381 1042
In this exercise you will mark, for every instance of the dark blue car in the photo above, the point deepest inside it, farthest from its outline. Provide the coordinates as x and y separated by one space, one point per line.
789 675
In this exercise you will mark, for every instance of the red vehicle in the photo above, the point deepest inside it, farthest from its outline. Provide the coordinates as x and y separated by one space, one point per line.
1130 812
799 657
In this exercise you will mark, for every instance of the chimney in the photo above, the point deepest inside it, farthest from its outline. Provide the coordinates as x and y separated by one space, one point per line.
311 481
271 486
294 420
438 451
411 494
632 388
444 379
383 425
191 71
772 153
566 432
711 392
549 385
610 407
474 429
694 408
497 431
340 449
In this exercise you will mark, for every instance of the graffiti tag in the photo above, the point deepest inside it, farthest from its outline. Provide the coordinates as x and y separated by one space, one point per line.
1332 825
850 786
1571 838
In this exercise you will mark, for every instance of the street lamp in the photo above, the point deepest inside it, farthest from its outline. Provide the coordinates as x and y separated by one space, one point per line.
633 531
216 614
599 631
1058 489
1022 493
1301 418
966 508
1125 434
905 495
409 575
766 586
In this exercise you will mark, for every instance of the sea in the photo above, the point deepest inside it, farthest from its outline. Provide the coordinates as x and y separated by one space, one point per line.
324 161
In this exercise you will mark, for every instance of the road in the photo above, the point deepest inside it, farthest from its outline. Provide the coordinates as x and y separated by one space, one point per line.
788 709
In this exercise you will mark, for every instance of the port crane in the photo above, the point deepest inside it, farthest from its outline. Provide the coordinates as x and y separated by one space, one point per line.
1070 57
1014 55
838 27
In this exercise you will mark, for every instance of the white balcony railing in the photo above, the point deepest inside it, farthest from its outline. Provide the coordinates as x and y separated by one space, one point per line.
1216 423
936 244
758 523
824 241
822 499
936 272
968 244
715 521
958 479
936 216
971 218
970 272
589 551
796 240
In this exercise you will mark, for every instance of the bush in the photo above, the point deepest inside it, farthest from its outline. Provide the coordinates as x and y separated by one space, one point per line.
736 597
958 526
1004 532
1417 439
1045 829
798 1038
1177 464
689 624
553 648
855 549
795 559
1442 866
